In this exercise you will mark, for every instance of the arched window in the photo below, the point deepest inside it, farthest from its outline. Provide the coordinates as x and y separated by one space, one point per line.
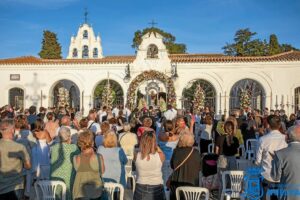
75 53
95 53
16 97
85 51
152 51
85 34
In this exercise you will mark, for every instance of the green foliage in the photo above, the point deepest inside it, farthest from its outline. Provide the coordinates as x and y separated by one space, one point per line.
51 49
287 47
274 47
168 39
245 45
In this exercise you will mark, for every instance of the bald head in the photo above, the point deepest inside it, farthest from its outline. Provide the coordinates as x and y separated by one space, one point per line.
65 121
294 133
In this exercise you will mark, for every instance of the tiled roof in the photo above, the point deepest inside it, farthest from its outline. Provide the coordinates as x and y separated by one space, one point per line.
179 58
220 58
35 60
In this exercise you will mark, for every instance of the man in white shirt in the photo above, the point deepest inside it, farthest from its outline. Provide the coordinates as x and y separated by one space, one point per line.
102 113
171 113
115 111
267 145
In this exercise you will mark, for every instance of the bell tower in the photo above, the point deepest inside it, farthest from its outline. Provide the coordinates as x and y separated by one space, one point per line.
85 45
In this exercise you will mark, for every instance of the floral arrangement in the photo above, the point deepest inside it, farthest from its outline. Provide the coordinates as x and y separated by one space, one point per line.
199 99
150 75
244 99
107 95
63 97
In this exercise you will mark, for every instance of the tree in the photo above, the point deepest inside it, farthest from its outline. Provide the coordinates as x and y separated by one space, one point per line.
168 39
287 47
51 49
244 45
274 47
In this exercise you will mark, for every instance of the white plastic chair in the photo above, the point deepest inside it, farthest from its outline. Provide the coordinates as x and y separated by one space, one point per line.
251 147
110 188
236 181
129 173
192 193
211 148
48 189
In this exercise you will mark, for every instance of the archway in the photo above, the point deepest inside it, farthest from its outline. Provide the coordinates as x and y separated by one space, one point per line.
247 93
117 93
151 75
16 97
65 93
197 94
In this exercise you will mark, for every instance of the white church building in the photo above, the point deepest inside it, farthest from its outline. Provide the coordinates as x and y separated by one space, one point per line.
154 74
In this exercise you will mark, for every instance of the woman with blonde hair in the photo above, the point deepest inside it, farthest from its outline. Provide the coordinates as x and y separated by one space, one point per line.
128 140
149 161
89 168
115 159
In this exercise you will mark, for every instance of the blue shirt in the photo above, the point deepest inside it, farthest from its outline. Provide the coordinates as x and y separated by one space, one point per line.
114 162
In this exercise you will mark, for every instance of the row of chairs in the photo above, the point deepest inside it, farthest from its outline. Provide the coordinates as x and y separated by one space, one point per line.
249 152
48 189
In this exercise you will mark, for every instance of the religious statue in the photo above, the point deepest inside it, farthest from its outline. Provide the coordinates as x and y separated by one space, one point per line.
152 51
162 104
142 103
152 98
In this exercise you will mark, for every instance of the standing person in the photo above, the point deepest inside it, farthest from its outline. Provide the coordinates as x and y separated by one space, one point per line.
32 116
286 167
227 147
102 114
128 140
206 134
171 113
148 166
185 163
13 156
62 154
115 111
89 168
41 152
115 159
147 123
66 122
267 145
92 124
168 140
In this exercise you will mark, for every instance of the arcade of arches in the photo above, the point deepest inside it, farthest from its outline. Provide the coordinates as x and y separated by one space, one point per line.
153 83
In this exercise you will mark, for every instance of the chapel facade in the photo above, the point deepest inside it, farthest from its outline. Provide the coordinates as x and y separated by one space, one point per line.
152 76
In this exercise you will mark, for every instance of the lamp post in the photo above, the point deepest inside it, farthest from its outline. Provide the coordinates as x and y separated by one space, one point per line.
127 74
174 74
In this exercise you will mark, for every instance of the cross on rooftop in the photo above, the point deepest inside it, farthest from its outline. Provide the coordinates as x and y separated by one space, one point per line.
85 15
152 23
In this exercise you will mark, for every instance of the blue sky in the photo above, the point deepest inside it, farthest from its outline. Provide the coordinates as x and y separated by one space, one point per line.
203 25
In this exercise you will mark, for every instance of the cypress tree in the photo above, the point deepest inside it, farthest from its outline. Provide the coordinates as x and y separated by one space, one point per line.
51 49
274 47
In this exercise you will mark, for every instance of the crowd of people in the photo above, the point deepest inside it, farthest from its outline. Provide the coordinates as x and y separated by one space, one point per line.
168 148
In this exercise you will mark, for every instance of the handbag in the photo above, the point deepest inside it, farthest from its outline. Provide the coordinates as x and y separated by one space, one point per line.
168 183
